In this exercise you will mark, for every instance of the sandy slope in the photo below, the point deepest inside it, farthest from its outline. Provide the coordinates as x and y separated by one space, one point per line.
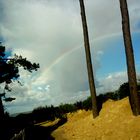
115 122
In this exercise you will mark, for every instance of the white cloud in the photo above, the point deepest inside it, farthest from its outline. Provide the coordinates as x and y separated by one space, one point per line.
104 17
112 82
37 27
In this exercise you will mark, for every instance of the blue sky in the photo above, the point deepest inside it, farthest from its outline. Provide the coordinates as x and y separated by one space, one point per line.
115 55
50 33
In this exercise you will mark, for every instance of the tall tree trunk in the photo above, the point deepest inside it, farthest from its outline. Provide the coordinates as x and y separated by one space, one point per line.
134 97
1 109
88 60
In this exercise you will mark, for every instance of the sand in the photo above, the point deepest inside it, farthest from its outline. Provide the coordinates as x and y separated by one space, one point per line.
115 122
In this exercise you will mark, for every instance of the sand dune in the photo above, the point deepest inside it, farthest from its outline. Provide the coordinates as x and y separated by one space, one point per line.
115 122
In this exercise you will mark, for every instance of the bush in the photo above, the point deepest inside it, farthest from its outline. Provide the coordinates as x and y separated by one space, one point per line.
123 91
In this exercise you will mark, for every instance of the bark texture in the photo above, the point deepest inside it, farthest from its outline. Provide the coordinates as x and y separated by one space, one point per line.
88 60
134 97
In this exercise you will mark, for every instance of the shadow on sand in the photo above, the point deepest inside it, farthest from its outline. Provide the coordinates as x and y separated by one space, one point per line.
36 132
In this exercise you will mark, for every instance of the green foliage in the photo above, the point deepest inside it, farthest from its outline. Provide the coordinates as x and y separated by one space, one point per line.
10 66
50 112
123 90
9 69
9 72
87 104
78 105
66 108
19 61
44 113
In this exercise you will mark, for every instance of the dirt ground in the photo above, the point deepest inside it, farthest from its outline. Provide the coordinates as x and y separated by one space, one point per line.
115 122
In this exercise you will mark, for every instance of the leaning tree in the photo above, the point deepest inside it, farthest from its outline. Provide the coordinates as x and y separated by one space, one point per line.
134 97
9 72
88 60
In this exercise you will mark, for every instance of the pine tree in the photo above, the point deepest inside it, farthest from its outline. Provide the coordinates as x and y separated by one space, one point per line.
88 60
134 97
9 70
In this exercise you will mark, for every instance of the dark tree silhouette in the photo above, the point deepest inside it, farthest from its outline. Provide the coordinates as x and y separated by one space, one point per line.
134 97
88 60
9 72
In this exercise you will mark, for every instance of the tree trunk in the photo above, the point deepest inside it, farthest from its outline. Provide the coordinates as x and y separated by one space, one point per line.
88 60
1 110
134 97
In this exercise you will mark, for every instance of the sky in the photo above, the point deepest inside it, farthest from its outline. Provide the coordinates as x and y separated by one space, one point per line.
49 32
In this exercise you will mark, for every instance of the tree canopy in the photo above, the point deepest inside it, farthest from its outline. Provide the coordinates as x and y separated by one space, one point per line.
9 69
